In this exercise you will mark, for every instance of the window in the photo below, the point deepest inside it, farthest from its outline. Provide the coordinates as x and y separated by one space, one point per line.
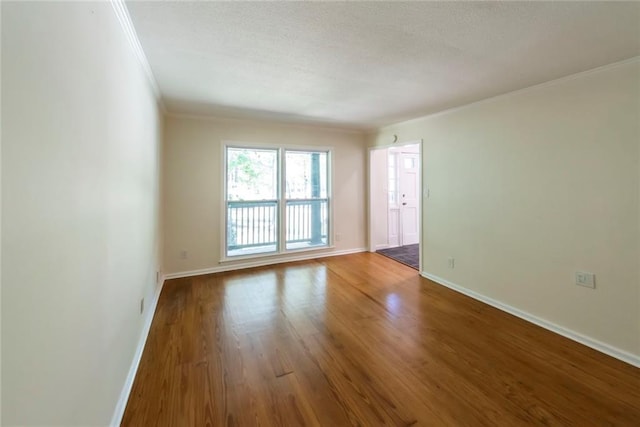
393 178
277 200
306 199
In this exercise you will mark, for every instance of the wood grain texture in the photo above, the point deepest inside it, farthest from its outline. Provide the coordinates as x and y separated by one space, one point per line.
362 340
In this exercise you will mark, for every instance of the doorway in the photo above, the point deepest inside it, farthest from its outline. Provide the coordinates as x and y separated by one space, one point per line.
395 202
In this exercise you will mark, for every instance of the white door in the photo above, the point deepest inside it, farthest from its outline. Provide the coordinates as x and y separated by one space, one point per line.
394 200
409 166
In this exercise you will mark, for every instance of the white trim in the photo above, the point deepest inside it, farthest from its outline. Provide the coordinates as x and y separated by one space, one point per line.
421 227
610 350
273 254
223 203
281 150
370 245
282 203
331 227
233 143
260 263
537 86
133 369
397 144
1 229
122 13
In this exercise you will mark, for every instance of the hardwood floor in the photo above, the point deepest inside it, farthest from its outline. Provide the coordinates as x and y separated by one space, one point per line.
362 340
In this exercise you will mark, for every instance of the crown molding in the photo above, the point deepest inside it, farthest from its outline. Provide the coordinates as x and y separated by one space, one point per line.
265 121
559 80
124 18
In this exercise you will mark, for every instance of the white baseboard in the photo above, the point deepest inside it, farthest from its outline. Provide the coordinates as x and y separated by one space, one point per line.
610 350
126 389
260 263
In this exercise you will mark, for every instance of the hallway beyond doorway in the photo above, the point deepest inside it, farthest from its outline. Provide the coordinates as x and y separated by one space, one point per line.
407 255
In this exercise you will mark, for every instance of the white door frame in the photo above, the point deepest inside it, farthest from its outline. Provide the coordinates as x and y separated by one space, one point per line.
370 214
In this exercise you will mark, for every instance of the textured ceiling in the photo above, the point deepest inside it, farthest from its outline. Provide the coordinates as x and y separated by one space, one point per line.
365 65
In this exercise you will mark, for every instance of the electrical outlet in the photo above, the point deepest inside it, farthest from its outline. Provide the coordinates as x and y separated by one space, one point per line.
588 280
184 254
452 262
142 306
338 237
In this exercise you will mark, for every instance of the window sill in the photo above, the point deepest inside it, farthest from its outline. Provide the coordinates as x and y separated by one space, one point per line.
275 254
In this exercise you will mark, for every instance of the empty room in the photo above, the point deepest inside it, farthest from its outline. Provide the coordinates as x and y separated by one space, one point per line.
320 213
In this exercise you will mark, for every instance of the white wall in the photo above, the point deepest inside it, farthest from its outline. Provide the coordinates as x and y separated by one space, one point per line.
80 173
379 199
192 180
527 188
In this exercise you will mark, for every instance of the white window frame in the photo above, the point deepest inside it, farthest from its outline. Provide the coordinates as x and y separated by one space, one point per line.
280 191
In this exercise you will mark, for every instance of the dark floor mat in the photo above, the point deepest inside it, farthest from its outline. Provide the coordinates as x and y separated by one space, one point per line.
408 255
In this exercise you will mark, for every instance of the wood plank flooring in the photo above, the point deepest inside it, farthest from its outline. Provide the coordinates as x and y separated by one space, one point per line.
362 340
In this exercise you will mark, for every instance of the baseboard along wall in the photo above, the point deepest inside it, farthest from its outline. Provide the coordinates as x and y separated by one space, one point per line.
261 263
607 349
575 336
118 413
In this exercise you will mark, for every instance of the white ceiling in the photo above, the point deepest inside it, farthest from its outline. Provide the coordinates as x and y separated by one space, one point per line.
364 65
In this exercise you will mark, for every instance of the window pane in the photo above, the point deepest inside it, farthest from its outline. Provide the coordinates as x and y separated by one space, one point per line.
307 205
409 163
393 183
252 227
258 197
306 175
252 174
252 209
307 223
